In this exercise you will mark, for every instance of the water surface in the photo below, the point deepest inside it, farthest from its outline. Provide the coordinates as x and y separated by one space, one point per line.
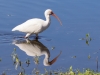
78 19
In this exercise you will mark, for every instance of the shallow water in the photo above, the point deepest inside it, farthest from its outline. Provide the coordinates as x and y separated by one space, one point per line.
78 19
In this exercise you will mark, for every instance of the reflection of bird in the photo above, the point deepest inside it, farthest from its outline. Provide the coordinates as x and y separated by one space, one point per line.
35 48
36 25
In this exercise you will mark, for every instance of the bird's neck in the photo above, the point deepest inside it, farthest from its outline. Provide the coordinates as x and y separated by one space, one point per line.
48 19
46 59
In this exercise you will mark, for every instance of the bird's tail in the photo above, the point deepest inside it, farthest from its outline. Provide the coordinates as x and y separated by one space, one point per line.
17 28
14 29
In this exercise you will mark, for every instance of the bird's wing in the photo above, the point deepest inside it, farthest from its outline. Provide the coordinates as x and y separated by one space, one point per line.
35 28
30 26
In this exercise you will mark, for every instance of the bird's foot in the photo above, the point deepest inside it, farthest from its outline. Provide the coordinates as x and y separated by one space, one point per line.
36 37
26 37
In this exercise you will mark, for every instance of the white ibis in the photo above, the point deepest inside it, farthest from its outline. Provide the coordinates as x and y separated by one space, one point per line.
35 48
36 25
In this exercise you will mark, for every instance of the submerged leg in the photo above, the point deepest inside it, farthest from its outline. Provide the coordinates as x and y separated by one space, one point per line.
36 36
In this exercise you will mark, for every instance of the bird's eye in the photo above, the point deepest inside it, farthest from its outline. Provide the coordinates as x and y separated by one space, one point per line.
51 13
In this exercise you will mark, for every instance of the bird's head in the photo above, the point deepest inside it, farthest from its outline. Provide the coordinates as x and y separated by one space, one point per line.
50 12
48 63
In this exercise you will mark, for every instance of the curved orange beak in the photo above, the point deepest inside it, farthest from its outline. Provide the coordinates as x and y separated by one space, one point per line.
56 17
54 60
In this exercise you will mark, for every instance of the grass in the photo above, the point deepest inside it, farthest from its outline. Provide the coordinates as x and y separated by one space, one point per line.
71 72
68 72
87 72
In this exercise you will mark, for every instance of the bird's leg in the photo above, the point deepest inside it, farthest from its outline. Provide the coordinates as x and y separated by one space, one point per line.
27 35
36 37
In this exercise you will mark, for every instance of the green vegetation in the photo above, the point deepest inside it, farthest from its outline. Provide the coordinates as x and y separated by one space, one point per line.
87 38
70 72
78 72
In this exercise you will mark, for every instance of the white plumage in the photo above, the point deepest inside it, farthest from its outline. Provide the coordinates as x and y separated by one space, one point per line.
35 25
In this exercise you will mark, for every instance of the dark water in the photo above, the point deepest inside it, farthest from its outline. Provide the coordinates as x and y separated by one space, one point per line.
78 19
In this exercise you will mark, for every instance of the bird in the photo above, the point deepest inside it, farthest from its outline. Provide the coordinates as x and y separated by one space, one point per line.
36 25
35 48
